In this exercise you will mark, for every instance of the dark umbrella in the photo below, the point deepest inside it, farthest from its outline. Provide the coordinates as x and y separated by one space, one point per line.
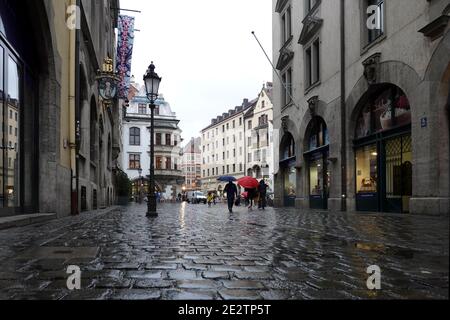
248 183
226 179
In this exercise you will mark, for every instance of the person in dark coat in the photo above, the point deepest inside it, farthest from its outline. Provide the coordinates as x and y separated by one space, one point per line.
232 194
262 189
252 195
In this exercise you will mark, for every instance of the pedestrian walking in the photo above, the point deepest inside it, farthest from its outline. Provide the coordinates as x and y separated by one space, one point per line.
232 193
252 195
262 189
210 199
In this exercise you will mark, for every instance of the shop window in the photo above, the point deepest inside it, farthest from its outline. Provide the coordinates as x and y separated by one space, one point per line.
388 108
367 169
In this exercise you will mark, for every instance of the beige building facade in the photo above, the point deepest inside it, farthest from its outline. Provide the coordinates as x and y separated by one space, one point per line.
361 105
224 147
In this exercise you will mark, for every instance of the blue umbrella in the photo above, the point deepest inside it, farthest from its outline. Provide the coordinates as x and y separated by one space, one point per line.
226 179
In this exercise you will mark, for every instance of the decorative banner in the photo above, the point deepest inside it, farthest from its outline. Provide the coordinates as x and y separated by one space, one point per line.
124 54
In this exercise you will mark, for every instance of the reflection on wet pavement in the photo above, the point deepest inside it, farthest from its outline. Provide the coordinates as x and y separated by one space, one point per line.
196 252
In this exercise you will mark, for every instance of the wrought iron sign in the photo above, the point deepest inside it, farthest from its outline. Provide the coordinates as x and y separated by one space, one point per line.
108 82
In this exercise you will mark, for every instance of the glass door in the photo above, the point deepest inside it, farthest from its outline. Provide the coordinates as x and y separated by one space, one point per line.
10 107
290 184
367 178
318 181
2 126
398 174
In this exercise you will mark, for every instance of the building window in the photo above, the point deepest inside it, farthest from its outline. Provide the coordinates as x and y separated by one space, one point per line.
240 121
373 19
309 5
286 26
312 64
287 88
135 137
234 124
234 168
249 157
142 109
249 142
159 140
168 163
168 139
250 125
159 163
263 105
157 111
135 161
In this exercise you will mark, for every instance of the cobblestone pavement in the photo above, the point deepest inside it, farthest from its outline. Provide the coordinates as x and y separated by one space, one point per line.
196 252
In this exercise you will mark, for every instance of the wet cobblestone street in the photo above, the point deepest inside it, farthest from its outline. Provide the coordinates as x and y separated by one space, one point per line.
196 252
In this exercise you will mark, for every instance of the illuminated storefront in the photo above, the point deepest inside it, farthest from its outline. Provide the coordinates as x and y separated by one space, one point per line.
288 169
383 152
317 159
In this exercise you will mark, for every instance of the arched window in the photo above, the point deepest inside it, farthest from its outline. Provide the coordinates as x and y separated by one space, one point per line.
386 108
135 137
287 147
317 134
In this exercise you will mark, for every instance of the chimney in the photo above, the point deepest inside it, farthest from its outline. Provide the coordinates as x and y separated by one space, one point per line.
245 103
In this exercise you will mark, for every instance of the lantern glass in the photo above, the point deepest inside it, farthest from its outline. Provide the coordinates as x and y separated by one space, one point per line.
152 82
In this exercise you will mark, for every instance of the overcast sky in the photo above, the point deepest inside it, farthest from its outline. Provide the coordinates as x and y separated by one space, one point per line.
205 53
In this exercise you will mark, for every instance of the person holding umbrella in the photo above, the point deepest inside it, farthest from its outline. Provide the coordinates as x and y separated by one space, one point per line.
230 190
232 193
251 185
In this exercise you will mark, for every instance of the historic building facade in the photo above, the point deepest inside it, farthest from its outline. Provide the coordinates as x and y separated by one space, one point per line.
361 105
224 147
136 146
98 140
192 165
37 79
259 137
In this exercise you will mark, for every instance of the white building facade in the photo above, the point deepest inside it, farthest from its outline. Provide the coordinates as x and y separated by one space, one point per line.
259 137
192 165
224 147
136 144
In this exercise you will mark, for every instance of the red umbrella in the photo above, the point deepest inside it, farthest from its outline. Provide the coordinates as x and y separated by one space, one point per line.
248 183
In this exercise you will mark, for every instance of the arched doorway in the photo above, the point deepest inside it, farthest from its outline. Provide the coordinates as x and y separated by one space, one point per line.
383 151
316 156
288 170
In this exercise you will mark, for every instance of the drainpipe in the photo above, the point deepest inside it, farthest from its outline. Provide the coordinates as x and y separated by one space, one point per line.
73 112
343 112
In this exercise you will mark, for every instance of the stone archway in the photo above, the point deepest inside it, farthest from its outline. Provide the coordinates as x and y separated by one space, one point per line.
404 77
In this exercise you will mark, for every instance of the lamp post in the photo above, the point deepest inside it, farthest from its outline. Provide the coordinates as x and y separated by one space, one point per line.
152 82
140 185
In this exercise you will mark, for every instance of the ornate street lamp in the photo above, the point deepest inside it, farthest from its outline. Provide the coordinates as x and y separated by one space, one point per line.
152 82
